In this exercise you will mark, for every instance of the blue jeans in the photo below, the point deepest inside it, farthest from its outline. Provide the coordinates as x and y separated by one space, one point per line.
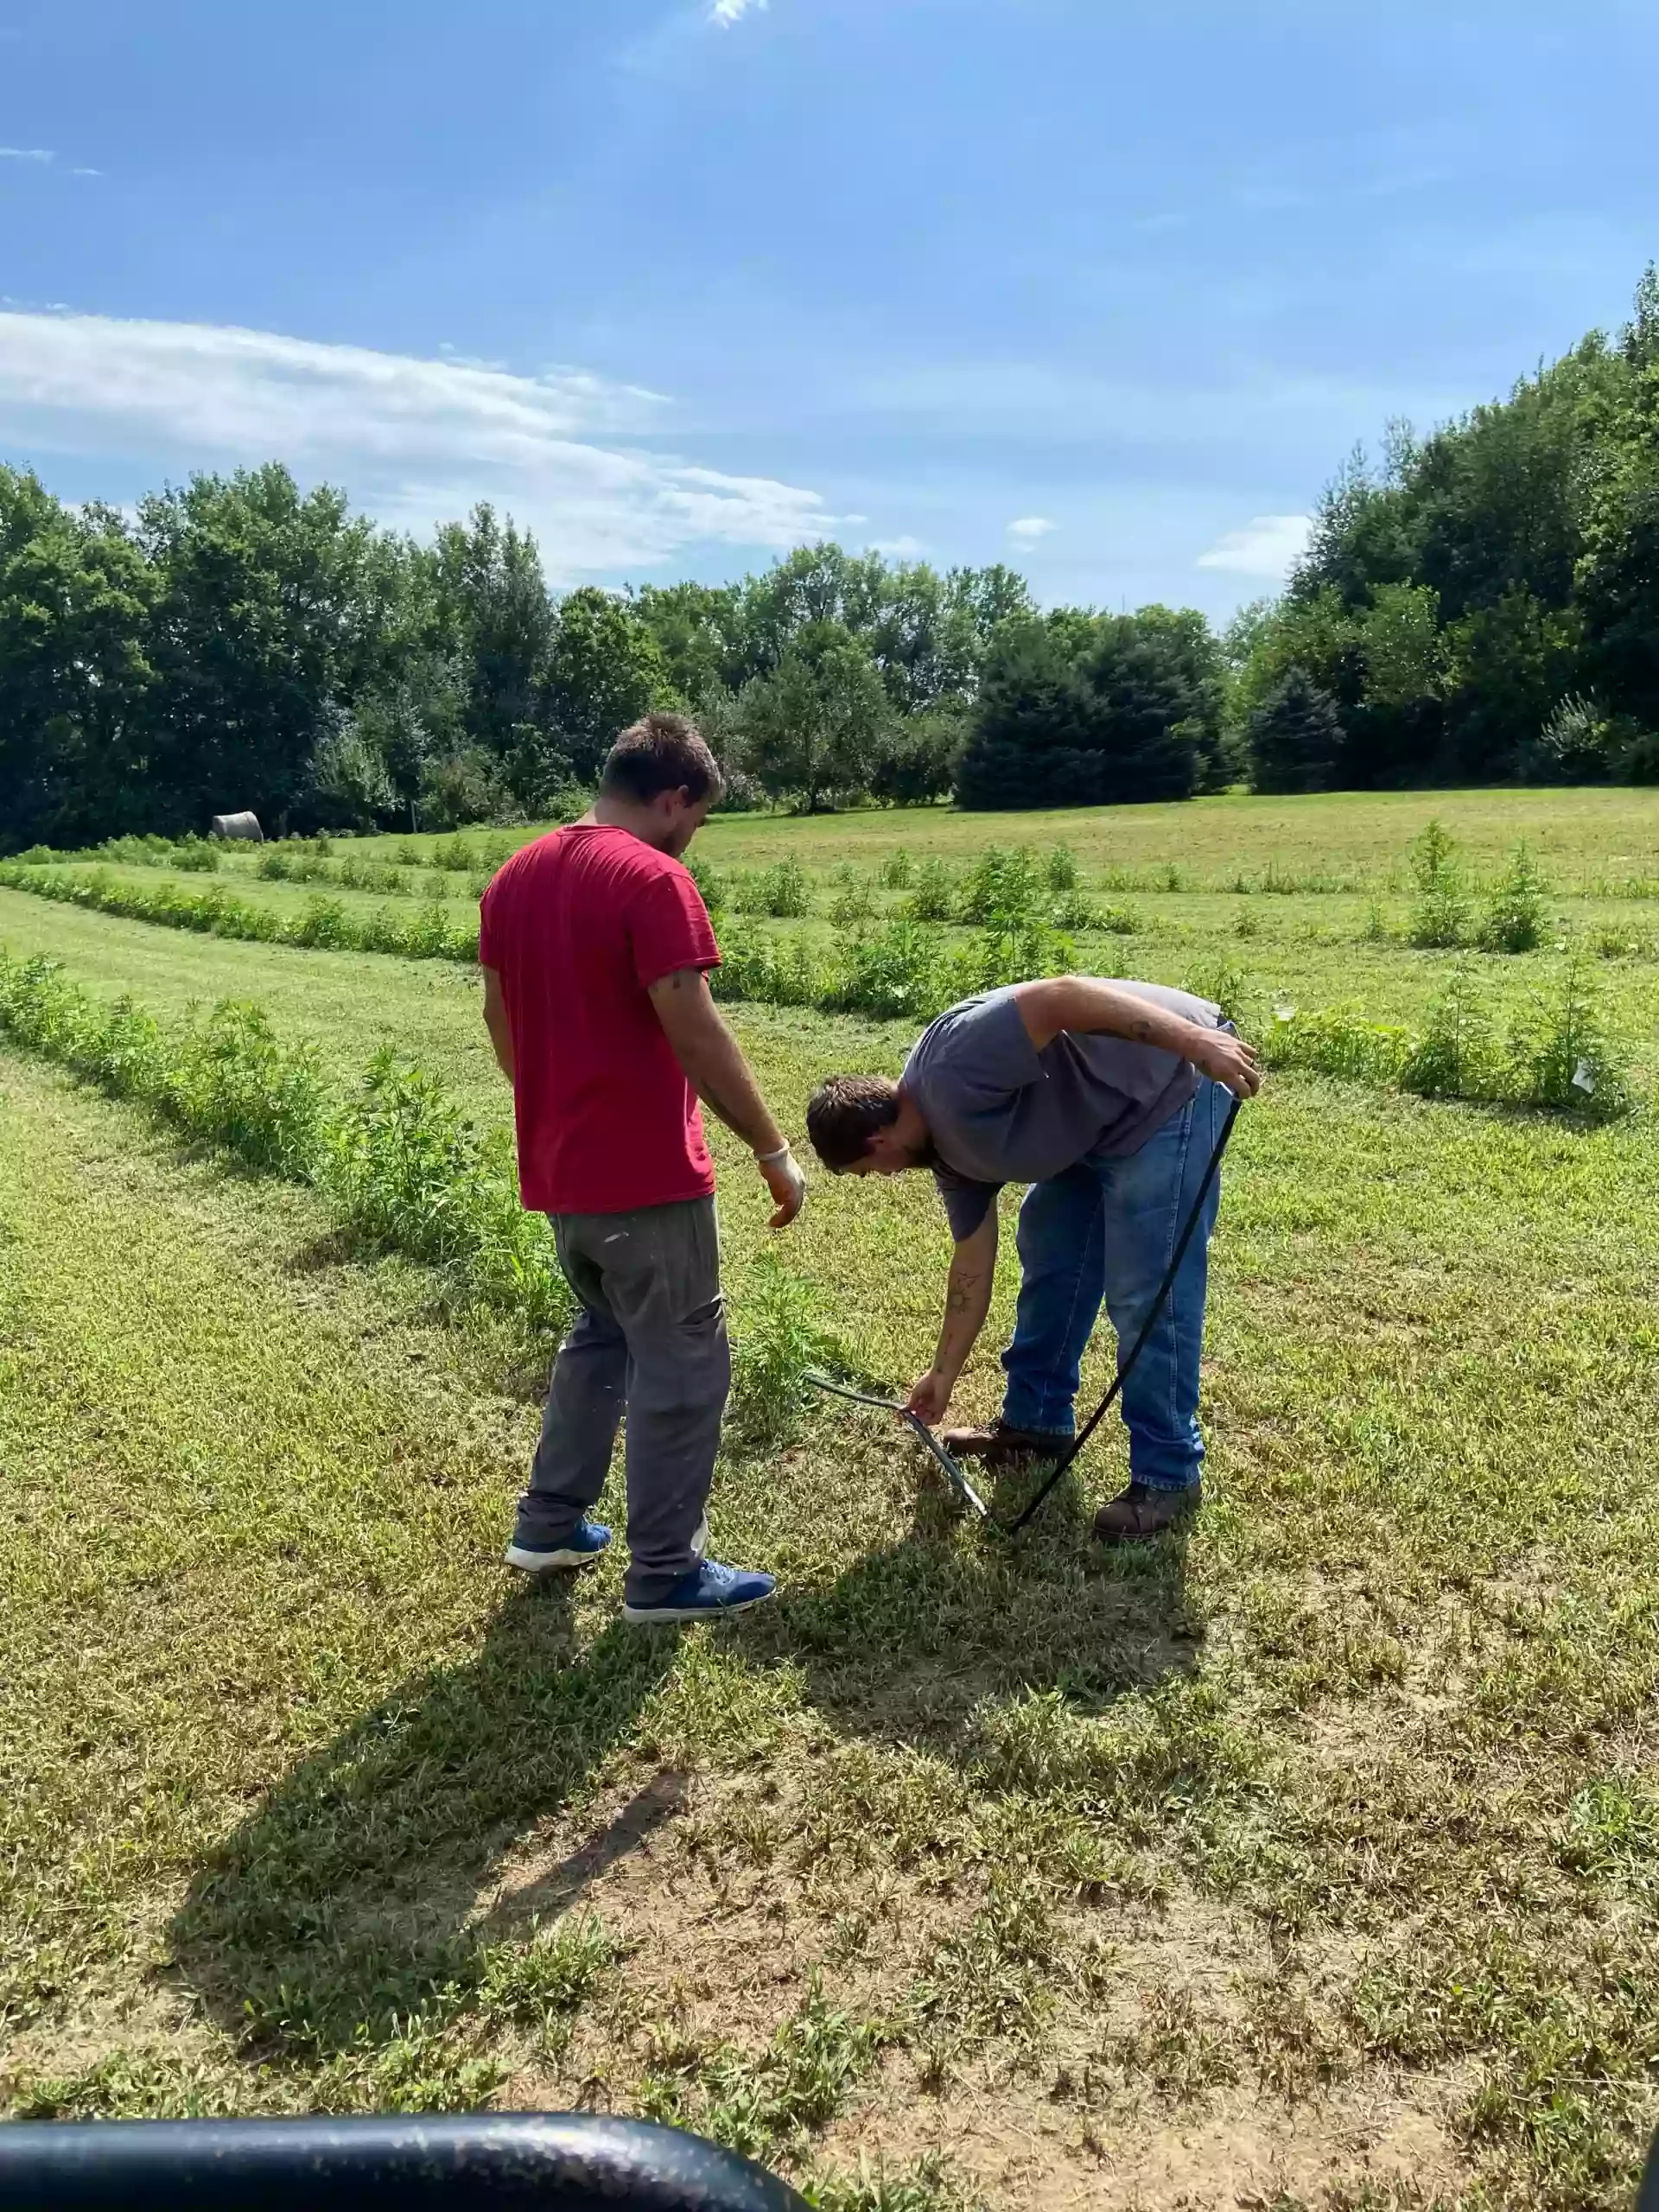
1107 1230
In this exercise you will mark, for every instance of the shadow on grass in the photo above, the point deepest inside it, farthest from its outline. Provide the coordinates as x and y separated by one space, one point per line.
348 1902
344 1904
910 1643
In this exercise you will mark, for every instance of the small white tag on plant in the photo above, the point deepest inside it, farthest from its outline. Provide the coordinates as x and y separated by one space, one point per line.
1584 1078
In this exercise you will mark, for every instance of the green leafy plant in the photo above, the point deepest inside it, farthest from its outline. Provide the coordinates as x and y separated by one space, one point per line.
783 1332
899 870
1335 1041
901 970
403 1167
1456 1056
232 1085
934 897
1004 887
1061 869
710 881
1515 917
1440 915
1565 1057
852 901
781 891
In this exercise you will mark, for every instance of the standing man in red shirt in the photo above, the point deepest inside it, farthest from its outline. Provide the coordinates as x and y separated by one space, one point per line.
596 947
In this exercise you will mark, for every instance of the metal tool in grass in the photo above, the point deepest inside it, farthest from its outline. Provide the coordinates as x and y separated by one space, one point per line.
959 1481
953 1474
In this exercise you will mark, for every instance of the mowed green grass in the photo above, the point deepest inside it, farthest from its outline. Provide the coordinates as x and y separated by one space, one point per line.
1311 1863
1586 837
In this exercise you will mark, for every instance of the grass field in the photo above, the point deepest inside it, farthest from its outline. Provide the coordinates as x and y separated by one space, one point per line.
1310 1863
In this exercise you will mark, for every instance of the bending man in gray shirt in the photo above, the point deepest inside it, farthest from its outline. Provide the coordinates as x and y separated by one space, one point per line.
1108 1099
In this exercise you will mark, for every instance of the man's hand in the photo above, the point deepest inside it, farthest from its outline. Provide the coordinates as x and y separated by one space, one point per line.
930 1397
787 1185
1228 1059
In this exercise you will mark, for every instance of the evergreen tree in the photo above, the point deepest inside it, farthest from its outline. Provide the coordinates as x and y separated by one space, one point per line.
1080 710
1295 737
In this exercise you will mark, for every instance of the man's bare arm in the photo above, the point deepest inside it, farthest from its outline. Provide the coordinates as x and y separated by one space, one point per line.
1085 1006
714 1067
966 1302
495 1021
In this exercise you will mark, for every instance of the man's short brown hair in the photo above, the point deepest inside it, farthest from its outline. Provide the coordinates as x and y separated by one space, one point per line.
845 1113
661 752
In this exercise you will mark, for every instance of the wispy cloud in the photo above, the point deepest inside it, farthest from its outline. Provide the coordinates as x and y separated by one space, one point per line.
898 549
85 172
1030 528
1268 547
727 12
26 154
414 441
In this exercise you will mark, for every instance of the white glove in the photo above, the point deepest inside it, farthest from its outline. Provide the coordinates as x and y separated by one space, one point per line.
786 1182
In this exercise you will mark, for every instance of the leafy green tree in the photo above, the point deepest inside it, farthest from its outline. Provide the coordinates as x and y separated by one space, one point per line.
1508 665
604 670
927 634
1194 649
490 611
1401 643
918 761
75 682
1295 737
269 612
814 584
814 729
698 633
1619 573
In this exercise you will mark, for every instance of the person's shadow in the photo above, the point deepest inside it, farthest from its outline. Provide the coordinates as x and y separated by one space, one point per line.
350 1897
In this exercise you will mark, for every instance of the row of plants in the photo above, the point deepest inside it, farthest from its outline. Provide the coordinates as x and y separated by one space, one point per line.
400 1166
323 924
1559 1056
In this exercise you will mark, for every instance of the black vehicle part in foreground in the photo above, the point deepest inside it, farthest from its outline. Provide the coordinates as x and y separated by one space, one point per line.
954 1472
564 2161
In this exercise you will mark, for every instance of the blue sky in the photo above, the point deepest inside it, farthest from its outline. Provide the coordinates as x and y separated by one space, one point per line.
1104 290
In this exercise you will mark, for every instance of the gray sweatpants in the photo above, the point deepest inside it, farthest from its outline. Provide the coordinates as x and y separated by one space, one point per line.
650 1340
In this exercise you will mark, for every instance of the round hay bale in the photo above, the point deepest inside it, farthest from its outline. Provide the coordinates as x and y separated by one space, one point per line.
238 825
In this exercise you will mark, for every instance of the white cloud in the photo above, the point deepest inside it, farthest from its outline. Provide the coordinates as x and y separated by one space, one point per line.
898 549
413 440
727 12
1030 528
1267 547
85 172
26 154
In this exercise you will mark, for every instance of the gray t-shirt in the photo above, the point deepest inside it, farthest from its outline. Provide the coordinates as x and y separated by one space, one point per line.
1000 1111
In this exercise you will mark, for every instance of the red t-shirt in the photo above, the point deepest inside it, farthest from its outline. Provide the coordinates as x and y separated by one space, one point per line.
579 925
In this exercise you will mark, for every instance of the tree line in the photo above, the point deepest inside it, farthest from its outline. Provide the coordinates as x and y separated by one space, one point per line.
1483 606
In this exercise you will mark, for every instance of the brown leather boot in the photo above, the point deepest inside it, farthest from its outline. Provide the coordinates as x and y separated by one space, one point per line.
1140 1513
999 1446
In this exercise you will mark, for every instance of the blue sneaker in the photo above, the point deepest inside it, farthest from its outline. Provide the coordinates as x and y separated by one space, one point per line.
580 1548
709 1592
